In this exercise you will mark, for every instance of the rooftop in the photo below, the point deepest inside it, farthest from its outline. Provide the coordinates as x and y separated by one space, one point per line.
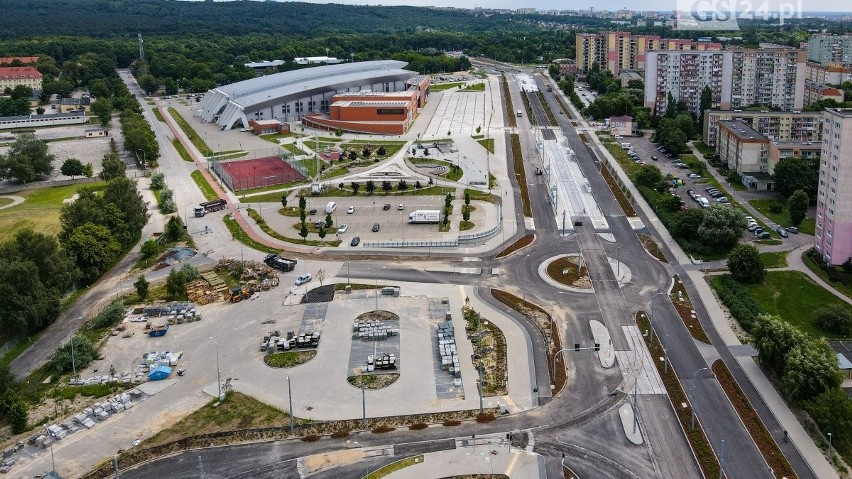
19 72
841 112
741 130
24 60
371 104
49 116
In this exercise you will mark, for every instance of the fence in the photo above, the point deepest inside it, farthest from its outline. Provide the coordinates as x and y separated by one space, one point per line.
47 184
411 244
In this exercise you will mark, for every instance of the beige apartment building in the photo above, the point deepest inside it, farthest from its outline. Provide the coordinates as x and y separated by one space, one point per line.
782 126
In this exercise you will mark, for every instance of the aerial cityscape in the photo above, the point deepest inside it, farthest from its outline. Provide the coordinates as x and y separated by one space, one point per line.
244 239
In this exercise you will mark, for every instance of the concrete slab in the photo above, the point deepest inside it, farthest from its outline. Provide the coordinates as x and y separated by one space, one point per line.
153 387
631 426
637 365
491 459
606 354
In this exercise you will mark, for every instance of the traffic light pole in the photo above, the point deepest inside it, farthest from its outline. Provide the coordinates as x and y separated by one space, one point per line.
596 347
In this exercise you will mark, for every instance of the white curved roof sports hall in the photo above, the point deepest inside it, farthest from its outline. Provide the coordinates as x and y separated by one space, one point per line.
229 103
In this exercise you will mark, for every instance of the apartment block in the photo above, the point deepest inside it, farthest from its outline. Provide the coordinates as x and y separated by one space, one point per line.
782 150
832 73
833 238
772 76
618 51
824 48
815 92
742 148
782 126
684 74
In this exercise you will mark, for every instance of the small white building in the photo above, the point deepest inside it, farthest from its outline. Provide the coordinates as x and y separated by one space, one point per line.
96 132
621 125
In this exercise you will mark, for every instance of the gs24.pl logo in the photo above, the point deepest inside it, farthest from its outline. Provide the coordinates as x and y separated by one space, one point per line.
723 14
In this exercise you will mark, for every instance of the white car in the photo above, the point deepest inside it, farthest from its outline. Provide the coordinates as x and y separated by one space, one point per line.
401 206
694 176
350 210
303 278
342 229
139 319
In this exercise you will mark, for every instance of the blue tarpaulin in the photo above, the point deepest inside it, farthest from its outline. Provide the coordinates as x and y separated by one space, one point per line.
159 373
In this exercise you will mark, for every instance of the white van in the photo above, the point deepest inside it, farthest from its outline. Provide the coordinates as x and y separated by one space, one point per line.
626 146
330 207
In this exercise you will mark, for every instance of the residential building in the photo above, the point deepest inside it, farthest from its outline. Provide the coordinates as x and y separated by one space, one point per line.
10 77
621 125
745 151
815 92
824 48
771 76
9 61
684 74
67 105
833 238
52 119
833 73
783 126
782 150
617 51
626 77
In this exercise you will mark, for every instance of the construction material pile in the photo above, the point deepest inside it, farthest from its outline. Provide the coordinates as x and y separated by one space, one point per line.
447 349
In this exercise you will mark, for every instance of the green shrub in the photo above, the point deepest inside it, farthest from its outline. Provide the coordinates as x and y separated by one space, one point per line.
110 316
67 358
158 181
738 300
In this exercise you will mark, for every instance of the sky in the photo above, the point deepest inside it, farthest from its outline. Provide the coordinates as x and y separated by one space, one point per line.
660 5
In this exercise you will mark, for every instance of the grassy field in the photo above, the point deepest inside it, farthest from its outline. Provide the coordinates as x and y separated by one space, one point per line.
238 411
189 132
181 150
843 288
39 211
794 297
487 143
293 149
774 260
5 201
808 225
204 186
274 137
310 165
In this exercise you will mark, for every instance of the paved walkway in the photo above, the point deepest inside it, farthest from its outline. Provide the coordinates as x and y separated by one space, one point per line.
809 451
483 459
16 200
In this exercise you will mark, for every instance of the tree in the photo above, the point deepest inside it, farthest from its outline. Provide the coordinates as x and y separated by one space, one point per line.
112 167
95 248
88 170
795 174
149 248
745 264
303 231
355 187
448 200
328 220
774 338
55 268
40 110
402 185
705 103
722 227
810 369
141 286
797 206
467 198
173 230
158 181
67 358
353 155
102 108
284 200
27 160
321 233
382 151
26 305
18 416
832 411
321 276
371 186
386 186
650 177
175 284
122 193
465 214
72 167
149 84
303 203
835 318
190 272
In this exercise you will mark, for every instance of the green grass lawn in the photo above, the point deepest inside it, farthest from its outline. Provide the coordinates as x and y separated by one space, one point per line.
775 259
794 297
5 201
843 288
189 132
445 86
39 211
474 87
623 159
293 149
703 148
487 143
181 150
310 165
158 115
808 225
204 186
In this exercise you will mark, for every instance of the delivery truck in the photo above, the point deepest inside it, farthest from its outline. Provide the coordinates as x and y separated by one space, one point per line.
424 217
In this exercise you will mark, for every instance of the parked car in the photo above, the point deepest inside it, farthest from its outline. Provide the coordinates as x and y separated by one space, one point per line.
763 235
752 227
320 224
375 227
342 229
355 241
792 229
654 158
401 206
303 278
312 211
722 199
350 210
781 232
694 176
757 231
386 206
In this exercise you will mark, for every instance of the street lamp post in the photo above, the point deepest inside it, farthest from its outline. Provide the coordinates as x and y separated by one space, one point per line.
829 447
692 416
363 406
290 397
218 371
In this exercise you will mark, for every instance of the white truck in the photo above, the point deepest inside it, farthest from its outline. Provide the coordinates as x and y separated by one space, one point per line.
424 217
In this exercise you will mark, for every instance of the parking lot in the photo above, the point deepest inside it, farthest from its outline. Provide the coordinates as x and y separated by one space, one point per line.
370 210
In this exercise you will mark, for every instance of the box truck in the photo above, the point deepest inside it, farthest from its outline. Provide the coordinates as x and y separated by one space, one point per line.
424 217
209 207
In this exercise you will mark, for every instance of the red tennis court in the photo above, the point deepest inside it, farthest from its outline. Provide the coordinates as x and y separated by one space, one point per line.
256 173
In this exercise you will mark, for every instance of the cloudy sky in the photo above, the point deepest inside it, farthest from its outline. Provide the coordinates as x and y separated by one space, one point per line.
662 5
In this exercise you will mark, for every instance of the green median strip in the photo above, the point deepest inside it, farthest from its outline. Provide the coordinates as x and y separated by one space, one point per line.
181 150
189 131
204 186
394 466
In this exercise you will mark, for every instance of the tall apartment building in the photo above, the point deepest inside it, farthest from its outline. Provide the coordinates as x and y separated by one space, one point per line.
773 76
684 74
617 51
826 48
742 148
10 77
833 237
782 126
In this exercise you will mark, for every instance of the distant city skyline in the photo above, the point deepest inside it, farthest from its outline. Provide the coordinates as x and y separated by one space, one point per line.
826 6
